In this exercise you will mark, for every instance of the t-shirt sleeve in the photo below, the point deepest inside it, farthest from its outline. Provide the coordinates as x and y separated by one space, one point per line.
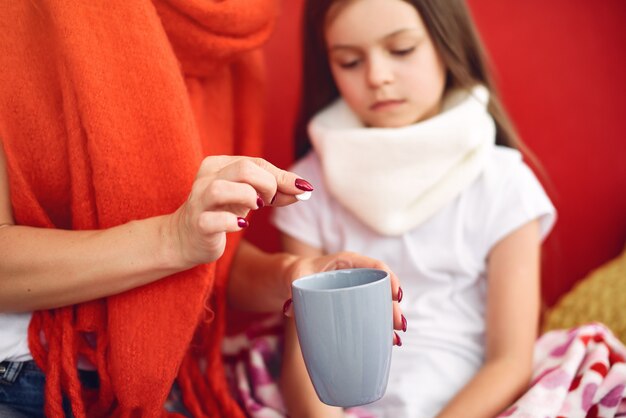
519 199
301 220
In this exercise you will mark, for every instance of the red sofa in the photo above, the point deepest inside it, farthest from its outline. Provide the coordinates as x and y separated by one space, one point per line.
561 68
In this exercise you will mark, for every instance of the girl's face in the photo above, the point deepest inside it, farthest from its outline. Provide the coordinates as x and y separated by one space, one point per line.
384 63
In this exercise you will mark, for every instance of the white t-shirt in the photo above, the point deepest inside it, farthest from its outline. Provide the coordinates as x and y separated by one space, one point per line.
442 268
14 336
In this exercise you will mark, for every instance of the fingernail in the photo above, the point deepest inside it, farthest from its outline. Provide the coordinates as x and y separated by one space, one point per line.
286 306
259 202
398 339
400 294
242 223
404 324
302 184
273 199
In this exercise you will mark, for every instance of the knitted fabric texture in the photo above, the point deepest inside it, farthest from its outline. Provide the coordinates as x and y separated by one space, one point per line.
106 112
599 297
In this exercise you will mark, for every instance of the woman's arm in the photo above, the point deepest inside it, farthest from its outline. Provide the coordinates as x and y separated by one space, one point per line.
46 268
297 389
261 282
512 324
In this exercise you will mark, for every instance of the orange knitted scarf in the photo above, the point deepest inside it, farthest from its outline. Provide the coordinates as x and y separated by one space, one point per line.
106 110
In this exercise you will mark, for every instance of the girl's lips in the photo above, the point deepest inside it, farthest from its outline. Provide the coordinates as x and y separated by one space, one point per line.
386 104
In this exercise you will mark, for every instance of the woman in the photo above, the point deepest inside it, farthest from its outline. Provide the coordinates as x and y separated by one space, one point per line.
115 261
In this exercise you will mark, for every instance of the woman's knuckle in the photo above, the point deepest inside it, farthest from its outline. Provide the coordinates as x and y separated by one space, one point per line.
259 162
283 176
246 169
216 191
205 164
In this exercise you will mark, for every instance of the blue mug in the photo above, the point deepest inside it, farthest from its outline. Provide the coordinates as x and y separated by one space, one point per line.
344 323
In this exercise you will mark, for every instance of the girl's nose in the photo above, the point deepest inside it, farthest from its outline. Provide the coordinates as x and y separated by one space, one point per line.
379 72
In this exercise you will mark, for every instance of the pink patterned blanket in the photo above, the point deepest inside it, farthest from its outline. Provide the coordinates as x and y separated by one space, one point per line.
579 372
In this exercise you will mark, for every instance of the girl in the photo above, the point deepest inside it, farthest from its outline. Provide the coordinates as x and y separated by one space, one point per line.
416 164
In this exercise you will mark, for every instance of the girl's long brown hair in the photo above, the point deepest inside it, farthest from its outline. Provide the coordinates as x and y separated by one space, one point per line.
451 28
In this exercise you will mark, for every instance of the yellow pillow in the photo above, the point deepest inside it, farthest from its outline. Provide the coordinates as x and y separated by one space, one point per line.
599 297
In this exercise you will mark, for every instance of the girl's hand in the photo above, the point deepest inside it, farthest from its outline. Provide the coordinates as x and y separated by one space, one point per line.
302 266
226 188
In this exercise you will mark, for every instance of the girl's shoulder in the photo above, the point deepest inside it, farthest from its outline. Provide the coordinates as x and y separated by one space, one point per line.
505 160
506 168
509 194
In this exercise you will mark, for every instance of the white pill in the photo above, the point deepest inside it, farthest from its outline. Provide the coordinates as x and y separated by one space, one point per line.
304 196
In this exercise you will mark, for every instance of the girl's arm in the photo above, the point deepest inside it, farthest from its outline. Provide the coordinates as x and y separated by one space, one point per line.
43 268
512 326
297 389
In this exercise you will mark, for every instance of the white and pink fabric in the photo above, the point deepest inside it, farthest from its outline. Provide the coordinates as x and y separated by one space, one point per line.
579 372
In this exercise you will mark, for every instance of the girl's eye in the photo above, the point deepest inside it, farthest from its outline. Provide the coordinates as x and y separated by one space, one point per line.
403 51
349 64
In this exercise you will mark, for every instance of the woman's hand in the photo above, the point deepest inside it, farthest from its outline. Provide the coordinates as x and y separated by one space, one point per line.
44 268
302 266
226 188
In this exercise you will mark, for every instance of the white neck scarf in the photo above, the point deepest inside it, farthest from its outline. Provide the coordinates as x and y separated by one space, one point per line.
393 179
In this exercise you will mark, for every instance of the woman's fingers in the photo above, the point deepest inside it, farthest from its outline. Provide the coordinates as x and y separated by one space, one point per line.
397 340
288 184
396 290
304 192
216 222
246 171
273 185
288 308
226 188
237 197
398 320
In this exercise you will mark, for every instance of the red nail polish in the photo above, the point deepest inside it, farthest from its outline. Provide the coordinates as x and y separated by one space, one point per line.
400 294
404 324
398 339
287 305
242 223
304 185
259 202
